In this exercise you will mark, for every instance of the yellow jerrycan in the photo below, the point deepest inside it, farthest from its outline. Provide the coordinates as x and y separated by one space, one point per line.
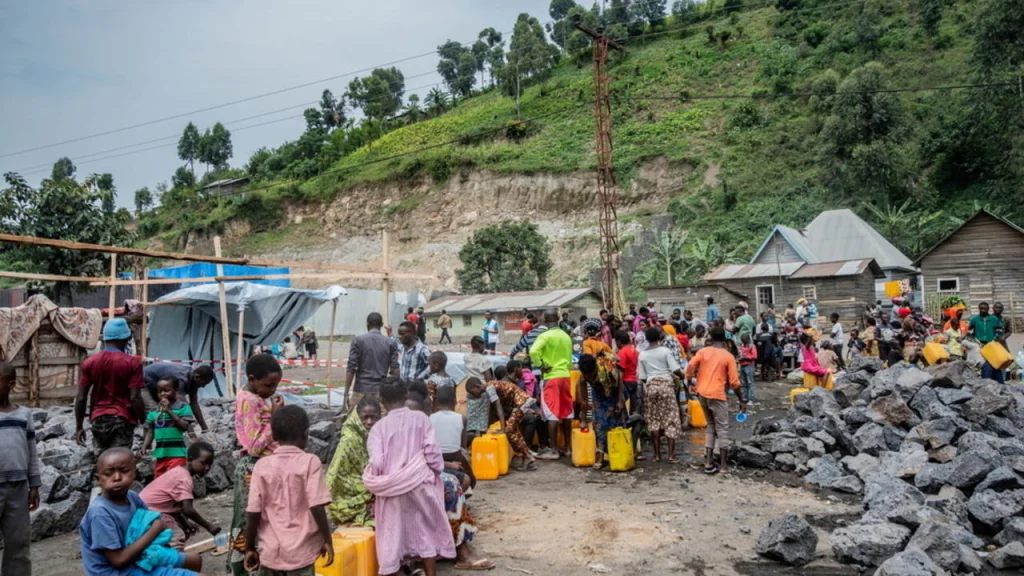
620 450
484 457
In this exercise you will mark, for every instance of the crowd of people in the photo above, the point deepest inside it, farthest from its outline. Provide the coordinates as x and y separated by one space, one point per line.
402 462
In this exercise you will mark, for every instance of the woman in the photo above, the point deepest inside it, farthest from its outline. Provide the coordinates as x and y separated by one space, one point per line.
657 366
351 503
640 337
609 402
810 364
593 345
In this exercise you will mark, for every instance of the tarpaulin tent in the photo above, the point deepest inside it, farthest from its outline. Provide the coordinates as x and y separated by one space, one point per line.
185 324
207 270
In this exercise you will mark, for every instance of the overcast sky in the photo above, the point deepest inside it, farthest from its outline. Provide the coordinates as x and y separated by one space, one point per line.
74 68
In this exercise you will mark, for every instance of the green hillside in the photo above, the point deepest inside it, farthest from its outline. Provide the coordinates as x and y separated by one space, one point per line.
789 103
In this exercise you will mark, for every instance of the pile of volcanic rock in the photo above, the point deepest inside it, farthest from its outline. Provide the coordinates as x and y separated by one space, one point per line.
937 455
68 468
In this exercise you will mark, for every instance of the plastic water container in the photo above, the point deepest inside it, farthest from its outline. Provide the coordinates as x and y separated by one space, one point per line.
365 541
620 450
812 381
220 543
997 356
935 353
741 417
793 394
484 457
345 561
584 448
504 452
696 412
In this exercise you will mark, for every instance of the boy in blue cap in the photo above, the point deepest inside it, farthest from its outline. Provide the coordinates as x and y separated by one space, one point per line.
111 382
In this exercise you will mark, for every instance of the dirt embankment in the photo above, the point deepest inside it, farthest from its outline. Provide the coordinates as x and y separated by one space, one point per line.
429 223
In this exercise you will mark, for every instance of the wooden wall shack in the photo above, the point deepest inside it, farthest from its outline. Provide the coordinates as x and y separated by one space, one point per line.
48 369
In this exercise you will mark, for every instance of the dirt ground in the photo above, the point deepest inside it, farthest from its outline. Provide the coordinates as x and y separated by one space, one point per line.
657 519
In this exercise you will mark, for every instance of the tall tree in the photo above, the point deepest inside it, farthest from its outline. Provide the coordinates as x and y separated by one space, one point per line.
496 50
530 57
104 184
215 147
63 210
929 14
436 101
379 95
457 66
577 41
63 169
669 252
183 178
412 108
143 200
508 257
332 110
188 146
562 25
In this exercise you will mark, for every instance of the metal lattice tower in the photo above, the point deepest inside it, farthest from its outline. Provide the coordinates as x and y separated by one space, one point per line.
607 193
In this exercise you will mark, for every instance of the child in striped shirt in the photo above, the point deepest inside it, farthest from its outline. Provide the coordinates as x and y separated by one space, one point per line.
19 476
167 425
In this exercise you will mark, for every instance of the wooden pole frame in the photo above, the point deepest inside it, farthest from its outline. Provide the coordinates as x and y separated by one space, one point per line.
330 346
385 268
241 346
112 293
225 329
145 313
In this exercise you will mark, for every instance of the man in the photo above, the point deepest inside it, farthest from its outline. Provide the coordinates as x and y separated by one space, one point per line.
490 333
1005 324
413 355
527 324
421 325
552 353
744 324
189 383
111 382
445 324
836 335
715 369
986 328
693 322
410 316
527 341
712 310
371 358
677 315
566 324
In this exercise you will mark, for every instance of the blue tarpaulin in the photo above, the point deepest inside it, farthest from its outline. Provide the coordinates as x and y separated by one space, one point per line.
206 270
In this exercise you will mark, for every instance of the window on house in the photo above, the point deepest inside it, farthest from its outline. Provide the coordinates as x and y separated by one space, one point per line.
948 285
467 319
810 292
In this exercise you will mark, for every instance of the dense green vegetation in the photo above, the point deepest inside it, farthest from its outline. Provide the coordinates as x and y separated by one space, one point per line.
796 105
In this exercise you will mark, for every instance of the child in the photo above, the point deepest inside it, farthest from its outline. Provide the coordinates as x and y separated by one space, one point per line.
895 354
254 406
478 365
103 533
403 474
439 378
500 372
287 496
19 465
168 424
522 377
628 361
836 335
477 411
289 350
450 430
507 398
748 365
855 345
171 493
827 356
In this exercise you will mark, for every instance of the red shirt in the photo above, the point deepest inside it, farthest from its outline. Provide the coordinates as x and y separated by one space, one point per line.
526 326
412 317
112 375
629 359
684 342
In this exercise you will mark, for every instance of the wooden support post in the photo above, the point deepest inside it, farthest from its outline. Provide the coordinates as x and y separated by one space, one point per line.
112 297
145 313
225 329
33 371
386 281
330 347
241 345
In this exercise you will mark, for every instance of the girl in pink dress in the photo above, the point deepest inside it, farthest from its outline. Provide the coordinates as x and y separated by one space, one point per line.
403 474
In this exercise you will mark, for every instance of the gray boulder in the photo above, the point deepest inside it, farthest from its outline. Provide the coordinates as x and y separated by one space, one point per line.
885 492
805 425
870 439
818 402
753 457
1000 479
892 410
933 433
910 381
785 461
910 562
1013 531
950 396
814 448
951 502
68 513
39 417
927 405
990 509
64 454
937 540
862 377
789 539
847 392
862 464
324 430
893 437
320 449
825 438
1016 463
988 399
1008 557
943 455
54 485
954 374
836 428
41 522
767 426
55 428
868 544
830 474
866 363
1002 427
779 442
218 479
855 416
903 464
932 477
970 468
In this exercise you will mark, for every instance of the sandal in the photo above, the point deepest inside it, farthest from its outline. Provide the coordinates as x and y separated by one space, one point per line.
673 460
711 469
531 467
481 564
724 474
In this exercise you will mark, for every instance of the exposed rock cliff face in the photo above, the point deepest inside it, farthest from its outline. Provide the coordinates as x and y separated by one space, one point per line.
429 223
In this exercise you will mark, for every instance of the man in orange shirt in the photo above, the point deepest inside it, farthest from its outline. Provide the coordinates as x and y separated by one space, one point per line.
715 370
